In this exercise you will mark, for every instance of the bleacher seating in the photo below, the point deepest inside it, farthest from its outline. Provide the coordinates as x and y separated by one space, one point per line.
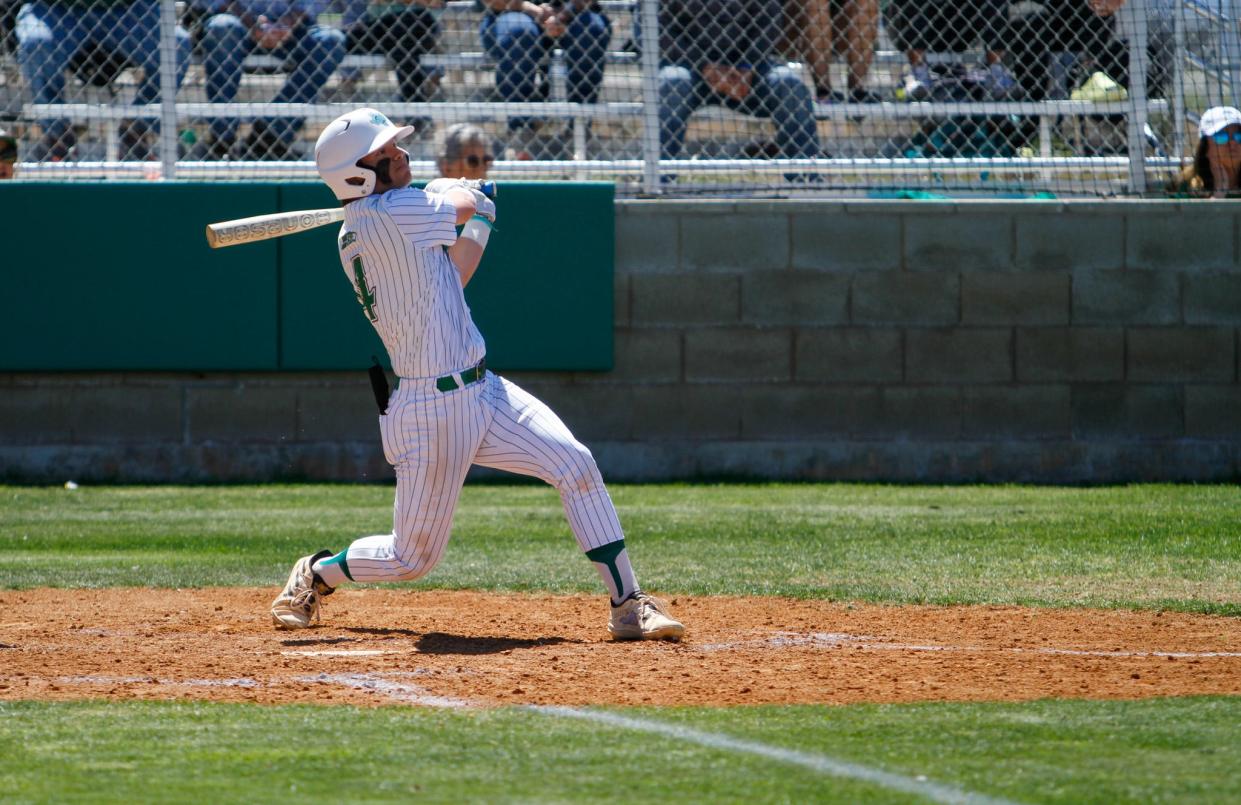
849 130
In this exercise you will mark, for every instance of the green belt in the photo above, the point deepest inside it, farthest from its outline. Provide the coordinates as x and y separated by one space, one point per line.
471 375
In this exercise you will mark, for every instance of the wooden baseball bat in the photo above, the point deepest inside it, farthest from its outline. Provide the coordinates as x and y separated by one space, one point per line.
274 225
279 224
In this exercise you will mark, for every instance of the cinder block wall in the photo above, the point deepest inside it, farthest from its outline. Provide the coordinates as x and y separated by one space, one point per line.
927 341
1000 341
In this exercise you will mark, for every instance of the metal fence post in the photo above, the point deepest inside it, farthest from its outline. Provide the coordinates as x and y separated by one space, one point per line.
648 20
1134 19
168 88
1231 47
1178 80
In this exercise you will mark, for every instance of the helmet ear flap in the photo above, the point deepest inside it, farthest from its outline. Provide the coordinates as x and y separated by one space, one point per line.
364 179
356 183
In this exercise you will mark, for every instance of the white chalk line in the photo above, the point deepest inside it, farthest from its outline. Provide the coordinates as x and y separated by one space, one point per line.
417 695
918 786
242 682
838 639
1185 654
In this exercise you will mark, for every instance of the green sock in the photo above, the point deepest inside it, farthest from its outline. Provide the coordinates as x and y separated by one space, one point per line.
335 570
612 562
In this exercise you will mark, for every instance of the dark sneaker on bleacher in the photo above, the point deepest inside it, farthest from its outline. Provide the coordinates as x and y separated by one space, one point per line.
210 149
855 95
1001 85
523 142
863 95
262 144
916 85
134 144
266 150
53 149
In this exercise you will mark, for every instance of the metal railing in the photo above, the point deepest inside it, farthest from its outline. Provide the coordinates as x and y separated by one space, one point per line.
932 125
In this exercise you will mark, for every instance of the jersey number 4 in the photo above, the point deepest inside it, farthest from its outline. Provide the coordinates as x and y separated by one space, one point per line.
365 294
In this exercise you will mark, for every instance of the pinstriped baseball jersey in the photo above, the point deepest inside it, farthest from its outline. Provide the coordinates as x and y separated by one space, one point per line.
392 247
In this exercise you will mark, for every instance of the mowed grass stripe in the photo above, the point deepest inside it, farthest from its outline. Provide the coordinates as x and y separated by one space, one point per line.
1164 750
1145 546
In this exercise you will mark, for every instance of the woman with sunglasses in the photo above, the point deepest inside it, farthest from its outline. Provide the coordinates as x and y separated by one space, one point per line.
464 152
1216 169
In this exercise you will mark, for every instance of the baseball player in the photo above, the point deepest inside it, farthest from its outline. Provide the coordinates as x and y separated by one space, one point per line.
400 248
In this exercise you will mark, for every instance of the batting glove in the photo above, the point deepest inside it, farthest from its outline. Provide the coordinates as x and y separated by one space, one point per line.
484 206
444 185
487 186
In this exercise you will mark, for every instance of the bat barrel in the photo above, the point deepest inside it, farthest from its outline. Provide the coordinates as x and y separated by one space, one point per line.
262 227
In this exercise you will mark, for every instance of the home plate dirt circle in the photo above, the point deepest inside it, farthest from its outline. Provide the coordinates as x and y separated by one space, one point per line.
387 646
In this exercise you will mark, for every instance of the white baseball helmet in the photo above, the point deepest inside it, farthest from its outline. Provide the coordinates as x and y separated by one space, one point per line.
347 139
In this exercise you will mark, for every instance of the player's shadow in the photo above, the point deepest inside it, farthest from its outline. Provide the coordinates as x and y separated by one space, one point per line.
316 641
362 630
382 632
441 643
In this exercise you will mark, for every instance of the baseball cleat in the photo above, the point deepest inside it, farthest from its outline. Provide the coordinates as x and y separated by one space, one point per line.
297 606
643 617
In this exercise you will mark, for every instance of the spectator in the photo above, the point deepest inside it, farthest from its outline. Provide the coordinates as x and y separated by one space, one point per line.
403 32
817 29
1058 43
1216 169
286 30
1050 40
520 35
8 154
722 52
50 33
950 26
464 152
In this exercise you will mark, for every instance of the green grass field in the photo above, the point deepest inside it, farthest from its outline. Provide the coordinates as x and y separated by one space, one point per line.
1181 750
1165 547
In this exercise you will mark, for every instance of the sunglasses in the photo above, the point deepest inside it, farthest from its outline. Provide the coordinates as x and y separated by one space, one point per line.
1222 137
474 160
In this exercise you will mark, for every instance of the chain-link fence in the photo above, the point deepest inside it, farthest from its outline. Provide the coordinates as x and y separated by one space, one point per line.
670 97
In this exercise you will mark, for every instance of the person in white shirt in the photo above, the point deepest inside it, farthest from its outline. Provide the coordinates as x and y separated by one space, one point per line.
400 248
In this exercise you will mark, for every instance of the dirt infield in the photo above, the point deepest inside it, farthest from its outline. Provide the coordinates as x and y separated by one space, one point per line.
440 648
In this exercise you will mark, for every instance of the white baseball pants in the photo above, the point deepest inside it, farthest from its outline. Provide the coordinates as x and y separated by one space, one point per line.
433 437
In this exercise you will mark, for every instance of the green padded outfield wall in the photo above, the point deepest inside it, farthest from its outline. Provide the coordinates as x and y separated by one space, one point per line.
122 279
542 296
119 276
